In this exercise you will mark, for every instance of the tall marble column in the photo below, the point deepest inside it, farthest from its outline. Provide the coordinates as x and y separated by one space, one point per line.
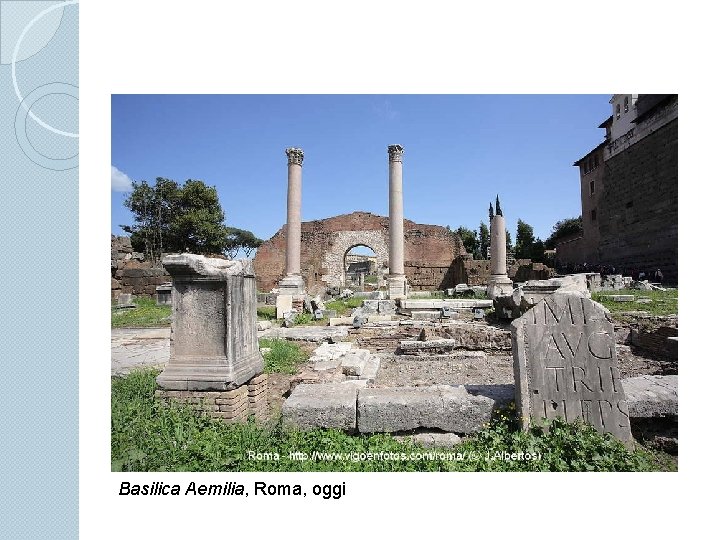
397 283
499 284
293 282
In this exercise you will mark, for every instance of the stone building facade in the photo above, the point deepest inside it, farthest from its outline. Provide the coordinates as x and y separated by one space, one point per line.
631 194
432 253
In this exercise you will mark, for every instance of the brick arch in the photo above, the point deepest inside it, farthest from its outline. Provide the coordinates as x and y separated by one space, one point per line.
342 242
431 252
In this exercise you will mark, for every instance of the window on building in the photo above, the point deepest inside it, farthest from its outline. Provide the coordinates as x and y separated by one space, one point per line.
592 187
627 104
597 160
617 111
629 204
593 215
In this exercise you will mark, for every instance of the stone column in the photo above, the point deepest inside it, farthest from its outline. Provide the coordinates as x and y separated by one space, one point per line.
292 283
397 283
213 340
499 284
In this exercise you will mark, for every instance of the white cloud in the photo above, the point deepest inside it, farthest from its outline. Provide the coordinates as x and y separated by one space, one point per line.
119 180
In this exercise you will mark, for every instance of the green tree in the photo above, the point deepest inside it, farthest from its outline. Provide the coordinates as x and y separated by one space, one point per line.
526 245
470 241
562 228
238 239
171 218
484 240
508 243
524 239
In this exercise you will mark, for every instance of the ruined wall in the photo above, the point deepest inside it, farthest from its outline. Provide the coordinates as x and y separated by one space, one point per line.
638 209
429 251
476 272
130 272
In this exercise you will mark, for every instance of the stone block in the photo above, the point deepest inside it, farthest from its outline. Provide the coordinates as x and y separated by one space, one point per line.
620 297
432 315
387 307
371 368
325 365
353 363
469 304
369 307
332 405
263 325
565 365
328 351
283 305
341 321
379 318
448 408
650 396
213 344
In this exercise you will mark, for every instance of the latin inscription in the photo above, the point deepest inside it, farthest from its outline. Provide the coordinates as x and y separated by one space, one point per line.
570 364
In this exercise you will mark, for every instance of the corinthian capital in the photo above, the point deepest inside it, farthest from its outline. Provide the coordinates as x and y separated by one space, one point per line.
396 152
295 155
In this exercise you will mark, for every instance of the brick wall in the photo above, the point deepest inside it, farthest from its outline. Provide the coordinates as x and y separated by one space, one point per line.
638 209
430 251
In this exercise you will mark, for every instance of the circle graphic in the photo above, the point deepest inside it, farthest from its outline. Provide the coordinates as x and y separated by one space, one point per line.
21 117
15 54
12 21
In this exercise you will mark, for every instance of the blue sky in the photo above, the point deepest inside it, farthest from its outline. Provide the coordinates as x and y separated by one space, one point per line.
460 151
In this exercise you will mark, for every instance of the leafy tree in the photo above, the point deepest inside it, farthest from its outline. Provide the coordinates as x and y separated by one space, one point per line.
508 243
526 245
173 218
562 228
238 239
524 239
470 241
484 241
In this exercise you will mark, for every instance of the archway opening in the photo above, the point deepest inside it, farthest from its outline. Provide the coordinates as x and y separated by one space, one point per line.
361 271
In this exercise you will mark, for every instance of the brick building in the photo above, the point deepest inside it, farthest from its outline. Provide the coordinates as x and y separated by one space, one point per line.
629 189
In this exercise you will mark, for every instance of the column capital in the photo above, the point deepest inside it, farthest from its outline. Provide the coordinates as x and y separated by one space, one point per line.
396 152
295 155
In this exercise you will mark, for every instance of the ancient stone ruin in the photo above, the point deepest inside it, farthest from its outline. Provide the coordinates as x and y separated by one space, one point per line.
314 253
566 365
214 356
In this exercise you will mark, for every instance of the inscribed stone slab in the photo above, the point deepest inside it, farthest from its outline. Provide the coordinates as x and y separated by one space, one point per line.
566 365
